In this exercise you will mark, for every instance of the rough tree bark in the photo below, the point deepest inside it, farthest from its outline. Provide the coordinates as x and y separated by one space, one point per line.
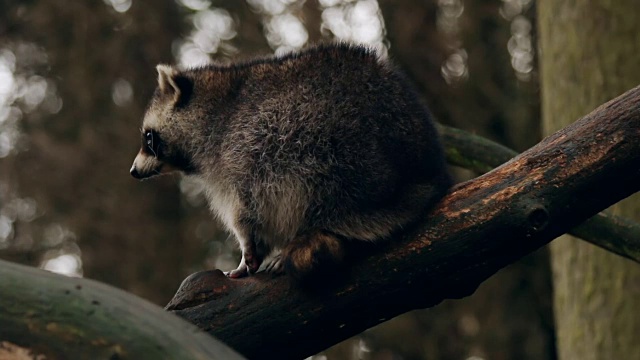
613 233
589 53
480 227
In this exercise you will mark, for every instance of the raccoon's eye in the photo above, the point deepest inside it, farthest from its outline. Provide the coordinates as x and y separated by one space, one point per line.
152 142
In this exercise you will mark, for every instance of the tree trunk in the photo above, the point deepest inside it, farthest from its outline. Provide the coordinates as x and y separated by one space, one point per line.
589 54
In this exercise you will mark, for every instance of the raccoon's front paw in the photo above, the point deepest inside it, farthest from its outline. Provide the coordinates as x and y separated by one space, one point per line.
240 272
251 261
248 265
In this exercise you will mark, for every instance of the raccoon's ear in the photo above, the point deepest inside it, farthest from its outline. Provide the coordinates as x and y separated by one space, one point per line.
172 83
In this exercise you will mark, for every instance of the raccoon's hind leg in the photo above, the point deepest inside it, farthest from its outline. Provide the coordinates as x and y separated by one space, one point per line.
274 264
312 253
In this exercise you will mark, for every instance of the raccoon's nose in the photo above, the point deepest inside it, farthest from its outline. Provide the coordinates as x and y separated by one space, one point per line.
134 172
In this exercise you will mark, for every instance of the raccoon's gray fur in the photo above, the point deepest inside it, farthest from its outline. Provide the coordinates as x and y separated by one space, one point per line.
298 153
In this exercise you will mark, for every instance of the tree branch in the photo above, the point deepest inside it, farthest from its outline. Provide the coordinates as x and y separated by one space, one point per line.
480 227
66 318
613 233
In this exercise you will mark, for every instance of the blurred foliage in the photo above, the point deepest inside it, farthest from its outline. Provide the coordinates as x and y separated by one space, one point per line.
74 81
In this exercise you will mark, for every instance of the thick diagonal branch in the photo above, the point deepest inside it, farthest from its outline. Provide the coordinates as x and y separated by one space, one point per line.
480 227
612 233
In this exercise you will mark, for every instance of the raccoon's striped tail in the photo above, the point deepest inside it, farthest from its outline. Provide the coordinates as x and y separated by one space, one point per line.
312 255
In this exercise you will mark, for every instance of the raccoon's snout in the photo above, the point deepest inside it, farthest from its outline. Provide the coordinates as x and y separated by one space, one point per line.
140 175
134 172
145 166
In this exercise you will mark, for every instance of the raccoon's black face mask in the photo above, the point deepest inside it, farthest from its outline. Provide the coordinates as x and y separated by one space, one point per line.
157 155
147 163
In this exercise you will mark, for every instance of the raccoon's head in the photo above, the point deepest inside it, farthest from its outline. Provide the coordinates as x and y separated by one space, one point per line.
165 136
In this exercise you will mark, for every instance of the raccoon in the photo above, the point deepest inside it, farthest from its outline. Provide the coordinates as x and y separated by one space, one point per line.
299 153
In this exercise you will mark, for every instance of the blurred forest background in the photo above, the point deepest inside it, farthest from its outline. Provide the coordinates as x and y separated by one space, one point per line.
75 77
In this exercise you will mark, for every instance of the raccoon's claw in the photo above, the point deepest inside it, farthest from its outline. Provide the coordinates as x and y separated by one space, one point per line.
248 265
275 265
240 272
